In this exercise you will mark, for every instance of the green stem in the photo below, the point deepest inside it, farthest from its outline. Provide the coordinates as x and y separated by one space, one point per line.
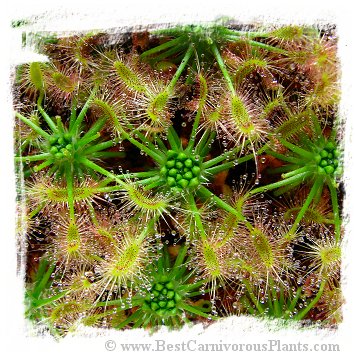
140 136
73 112
270 304
181 256
99 147
267 47
247 34
174 139
93 214
228 165
285 189
36 210
317 198
134 175
133 302
335 204
129 319
88 139
207 147
146 142
204 192
223 68
47 118
193 294
251 311
294 302
32 125
304 153
94 130
40 97
105 182
43 302
149 173
297 178
222 157
252 296
282 297
155 155
60 125
228 233
108 154
316 124
281 169
277 309
41 285
154 184
295 172
23 145
160 265
202 101
305 311
258 44
195 311
37 157
161 47
193 286
160 143
190 145
202 142
43 165
197 216
102 171
148 180
147 229
180 68
169 52
316 186
70 188
77 122
108 189
291 159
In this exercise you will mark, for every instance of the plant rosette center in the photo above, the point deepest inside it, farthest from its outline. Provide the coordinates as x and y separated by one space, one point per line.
328 160
163 298
181 171
61 146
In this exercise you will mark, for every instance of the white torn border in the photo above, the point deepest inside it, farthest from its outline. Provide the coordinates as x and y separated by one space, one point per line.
81 15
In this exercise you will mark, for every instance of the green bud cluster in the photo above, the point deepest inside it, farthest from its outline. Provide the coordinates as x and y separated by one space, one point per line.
61 145
181 171
162 298
328 159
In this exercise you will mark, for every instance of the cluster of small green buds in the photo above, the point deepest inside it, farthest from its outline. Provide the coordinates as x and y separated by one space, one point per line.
162 298
61 145
181 171
328 160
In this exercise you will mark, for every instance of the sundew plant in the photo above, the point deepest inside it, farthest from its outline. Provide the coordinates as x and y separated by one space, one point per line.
180 175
